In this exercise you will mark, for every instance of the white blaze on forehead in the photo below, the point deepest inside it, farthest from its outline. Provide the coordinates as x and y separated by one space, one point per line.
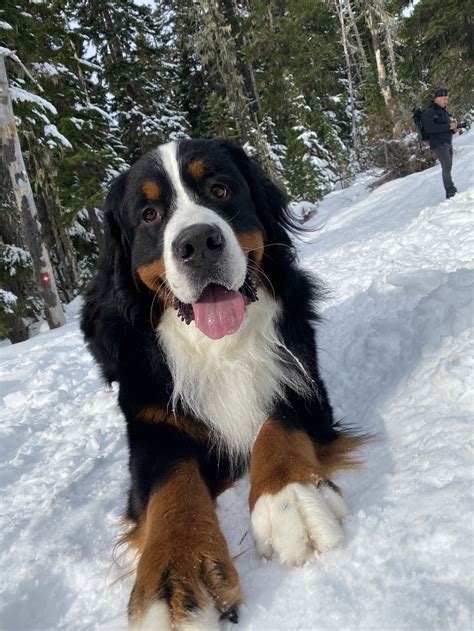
186 213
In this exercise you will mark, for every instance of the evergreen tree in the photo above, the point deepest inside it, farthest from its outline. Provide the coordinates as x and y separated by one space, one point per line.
138 70
217 51
95 85
438 50
308 160
296 53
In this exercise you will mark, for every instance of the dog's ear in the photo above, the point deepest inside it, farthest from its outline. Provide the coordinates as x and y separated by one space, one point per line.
112 282
114 237
111 299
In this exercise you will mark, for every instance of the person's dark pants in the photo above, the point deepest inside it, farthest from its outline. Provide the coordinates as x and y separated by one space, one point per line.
444 153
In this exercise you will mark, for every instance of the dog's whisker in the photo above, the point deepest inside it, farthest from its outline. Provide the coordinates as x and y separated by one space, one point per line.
234 216
248 250
162 283
283 245
257 270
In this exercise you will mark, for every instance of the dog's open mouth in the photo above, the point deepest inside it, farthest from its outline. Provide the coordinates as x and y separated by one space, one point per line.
218 311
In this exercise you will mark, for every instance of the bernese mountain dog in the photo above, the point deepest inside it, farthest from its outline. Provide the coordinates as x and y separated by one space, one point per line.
199 311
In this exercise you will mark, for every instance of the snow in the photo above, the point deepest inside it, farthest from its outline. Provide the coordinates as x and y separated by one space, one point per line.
89 64
12 255
5 51
18 94
7 300
46 68
396 352
53 132
79 108
408 10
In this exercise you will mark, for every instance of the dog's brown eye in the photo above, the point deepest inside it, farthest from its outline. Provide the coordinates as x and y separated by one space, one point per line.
219 191
149 215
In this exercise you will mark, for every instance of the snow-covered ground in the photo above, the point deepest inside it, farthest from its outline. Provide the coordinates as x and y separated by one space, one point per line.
397 354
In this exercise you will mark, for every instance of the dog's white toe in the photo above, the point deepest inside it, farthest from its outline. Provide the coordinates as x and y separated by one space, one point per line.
297 521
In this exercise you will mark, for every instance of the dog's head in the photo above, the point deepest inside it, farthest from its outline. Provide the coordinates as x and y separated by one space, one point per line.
194 219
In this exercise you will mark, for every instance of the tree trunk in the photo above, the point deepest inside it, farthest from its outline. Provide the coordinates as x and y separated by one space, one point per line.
26 205
10 234
241 41
54 231
340 12
79 72
96 226
382 73
221 48
17 331
357 36
391 55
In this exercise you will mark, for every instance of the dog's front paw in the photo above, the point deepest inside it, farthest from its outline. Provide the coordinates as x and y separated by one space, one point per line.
190 591
298 521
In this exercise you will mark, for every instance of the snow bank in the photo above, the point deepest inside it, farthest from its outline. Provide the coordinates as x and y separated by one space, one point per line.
396 350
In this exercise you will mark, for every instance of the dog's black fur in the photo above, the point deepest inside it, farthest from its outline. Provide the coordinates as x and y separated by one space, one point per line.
120 314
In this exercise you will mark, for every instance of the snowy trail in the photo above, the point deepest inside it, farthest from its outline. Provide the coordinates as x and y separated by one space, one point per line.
397 354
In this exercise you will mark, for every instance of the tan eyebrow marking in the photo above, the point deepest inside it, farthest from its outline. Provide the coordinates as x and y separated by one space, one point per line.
151 190
196 169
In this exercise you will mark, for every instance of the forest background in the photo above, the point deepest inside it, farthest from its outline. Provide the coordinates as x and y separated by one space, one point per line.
316 90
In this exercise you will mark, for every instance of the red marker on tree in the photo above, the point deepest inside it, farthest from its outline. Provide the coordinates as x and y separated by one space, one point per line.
27 211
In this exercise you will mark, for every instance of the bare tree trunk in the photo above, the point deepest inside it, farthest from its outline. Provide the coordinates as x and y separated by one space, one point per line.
355 30
382 73
220 46
26 205
80 74
10 234
262 152
270 18
54 231
17 331
391 55
242 42
96 226
340 12
68 276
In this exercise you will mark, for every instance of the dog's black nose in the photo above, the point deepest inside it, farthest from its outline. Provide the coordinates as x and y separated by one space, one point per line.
199 244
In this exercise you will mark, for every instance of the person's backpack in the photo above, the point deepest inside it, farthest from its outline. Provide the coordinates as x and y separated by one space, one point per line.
418 120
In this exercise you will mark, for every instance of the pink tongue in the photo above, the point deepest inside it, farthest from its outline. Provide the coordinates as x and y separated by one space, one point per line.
219 311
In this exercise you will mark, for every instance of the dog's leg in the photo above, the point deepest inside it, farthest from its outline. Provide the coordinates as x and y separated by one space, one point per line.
185 577
295 509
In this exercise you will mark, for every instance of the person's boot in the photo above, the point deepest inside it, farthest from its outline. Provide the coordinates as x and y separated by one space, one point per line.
451 192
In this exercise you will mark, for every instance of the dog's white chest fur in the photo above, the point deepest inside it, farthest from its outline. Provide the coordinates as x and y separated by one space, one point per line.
230 384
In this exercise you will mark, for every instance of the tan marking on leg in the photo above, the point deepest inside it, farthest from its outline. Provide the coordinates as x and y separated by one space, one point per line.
133 537
295 508
196 169
339 454
195 429
184 560
151 190
152 414
281 456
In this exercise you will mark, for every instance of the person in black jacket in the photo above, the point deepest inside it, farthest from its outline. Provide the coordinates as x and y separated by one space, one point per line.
440 128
